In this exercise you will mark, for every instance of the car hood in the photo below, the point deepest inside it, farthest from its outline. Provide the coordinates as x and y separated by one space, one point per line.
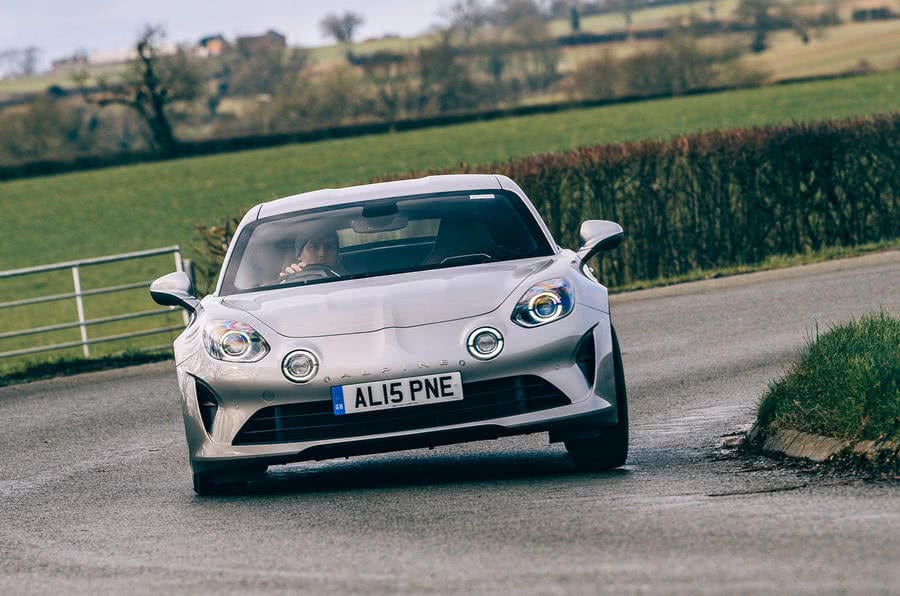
403 300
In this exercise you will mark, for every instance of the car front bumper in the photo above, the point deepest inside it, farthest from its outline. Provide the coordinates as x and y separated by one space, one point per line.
546 353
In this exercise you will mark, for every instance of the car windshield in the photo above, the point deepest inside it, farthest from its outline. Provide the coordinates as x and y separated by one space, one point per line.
382 237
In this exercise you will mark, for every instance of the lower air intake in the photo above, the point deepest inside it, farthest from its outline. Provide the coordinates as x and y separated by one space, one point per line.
585 357
482 400
208 404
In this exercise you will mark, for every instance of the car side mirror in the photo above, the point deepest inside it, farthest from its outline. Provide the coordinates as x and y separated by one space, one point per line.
175 289
597 235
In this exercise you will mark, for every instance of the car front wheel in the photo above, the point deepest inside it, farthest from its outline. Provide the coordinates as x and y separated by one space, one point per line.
608 449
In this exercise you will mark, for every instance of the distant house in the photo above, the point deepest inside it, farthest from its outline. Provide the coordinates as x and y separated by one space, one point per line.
214 45
77 61
82 59
268 40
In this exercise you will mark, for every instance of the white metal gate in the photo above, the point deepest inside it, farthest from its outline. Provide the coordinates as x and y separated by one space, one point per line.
78 295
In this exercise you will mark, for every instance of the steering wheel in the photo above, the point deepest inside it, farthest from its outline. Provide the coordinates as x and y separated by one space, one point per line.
313 271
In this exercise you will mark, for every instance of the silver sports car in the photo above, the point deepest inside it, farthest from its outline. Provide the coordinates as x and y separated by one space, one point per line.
395 316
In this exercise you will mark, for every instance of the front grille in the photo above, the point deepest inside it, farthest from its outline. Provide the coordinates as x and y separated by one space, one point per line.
483 400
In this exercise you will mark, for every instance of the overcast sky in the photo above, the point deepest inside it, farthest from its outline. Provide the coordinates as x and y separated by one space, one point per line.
59 27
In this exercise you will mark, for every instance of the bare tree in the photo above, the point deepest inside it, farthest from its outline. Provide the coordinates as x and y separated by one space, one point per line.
323 99
341 27
263 70
44 128
151 84
445 81
7 63
758 15
29 61
598 78
574 19
764 16
19 62
466 17
626 7
524 18
394 82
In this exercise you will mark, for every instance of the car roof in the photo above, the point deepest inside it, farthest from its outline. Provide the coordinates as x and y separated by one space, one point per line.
380 190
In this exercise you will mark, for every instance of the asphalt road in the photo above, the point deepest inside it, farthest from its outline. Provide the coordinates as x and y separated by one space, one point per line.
95 492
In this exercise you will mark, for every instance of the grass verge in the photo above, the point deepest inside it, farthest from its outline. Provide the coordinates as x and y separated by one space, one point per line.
846 385
62 367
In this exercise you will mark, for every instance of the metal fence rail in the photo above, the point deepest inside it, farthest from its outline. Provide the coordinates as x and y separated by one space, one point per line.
83 323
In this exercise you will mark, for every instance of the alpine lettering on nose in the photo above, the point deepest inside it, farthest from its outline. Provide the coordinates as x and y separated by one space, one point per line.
386 370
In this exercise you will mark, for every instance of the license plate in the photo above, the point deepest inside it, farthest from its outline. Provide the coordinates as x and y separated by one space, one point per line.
396 393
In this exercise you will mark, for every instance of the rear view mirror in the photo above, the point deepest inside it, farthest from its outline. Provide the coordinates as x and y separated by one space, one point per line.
597 235
174 289
383 223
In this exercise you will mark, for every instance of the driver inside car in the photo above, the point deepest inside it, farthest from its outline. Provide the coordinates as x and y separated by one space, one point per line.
321 249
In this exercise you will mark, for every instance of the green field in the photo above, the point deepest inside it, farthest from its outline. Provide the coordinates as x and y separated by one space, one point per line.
834 49
831 50
145 206
646 17
40 83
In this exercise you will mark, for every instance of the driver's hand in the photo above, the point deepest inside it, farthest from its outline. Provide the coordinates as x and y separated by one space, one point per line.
292 269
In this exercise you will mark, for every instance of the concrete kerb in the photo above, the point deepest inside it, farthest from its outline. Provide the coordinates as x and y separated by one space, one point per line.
819 448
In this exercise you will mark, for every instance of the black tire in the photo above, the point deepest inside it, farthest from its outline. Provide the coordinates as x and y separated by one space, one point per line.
205 484
225 480
609 449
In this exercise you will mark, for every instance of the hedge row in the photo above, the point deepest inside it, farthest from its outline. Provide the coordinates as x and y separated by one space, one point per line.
722 198
697 29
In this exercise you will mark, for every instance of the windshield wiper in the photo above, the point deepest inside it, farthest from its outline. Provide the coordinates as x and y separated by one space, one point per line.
472 259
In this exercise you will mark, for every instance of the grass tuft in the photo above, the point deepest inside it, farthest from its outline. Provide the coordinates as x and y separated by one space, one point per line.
73 366
846 384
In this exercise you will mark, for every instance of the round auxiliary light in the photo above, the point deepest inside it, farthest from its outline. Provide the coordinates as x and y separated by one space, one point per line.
485 343
545 306
300 366
235 343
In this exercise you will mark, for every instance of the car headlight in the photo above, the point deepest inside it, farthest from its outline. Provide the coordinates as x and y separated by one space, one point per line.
544 302
234 341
